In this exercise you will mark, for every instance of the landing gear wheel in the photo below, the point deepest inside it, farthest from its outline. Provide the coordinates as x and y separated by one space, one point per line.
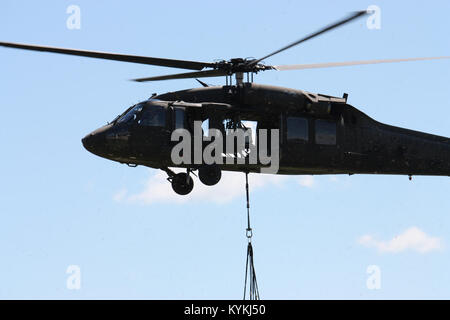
182 183
209 174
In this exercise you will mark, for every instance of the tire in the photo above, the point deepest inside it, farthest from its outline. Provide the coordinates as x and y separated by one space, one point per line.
182 183
209 174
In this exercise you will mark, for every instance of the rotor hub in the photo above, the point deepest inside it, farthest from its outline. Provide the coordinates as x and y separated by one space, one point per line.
240 65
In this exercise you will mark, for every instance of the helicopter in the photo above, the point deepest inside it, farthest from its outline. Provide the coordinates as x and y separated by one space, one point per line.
314 133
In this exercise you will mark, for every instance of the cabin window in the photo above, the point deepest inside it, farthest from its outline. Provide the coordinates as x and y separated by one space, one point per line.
325 132
297 129
180 116
153 116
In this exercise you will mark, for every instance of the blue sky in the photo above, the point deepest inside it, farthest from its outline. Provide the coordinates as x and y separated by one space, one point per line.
314 237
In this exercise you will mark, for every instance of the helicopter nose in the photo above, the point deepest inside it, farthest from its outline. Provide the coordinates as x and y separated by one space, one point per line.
92 142
87 142
95 141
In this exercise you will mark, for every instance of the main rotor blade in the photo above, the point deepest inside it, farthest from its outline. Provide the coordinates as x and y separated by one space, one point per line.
187 75
315 34
350 63
182 64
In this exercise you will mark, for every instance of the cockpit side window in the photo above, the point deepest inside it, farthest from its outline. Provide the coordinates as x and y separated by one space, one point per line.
153 116
131 114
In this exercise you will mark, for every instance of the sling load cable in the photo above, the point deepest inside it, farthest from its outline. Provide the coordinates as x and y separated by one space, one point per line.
250 273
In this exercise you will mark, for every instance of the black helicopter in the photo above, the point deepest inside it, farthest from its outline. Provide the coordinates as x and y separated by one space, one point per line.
317 134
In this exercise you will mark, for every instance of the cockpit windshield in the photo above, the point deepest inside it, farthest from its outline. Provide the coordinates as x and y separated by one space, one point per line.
131 114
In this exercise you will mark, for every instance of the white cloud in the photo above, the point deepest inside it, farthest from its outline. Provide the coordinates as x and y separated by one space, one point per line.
411 239
231 186
334 179
306 181
120 195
